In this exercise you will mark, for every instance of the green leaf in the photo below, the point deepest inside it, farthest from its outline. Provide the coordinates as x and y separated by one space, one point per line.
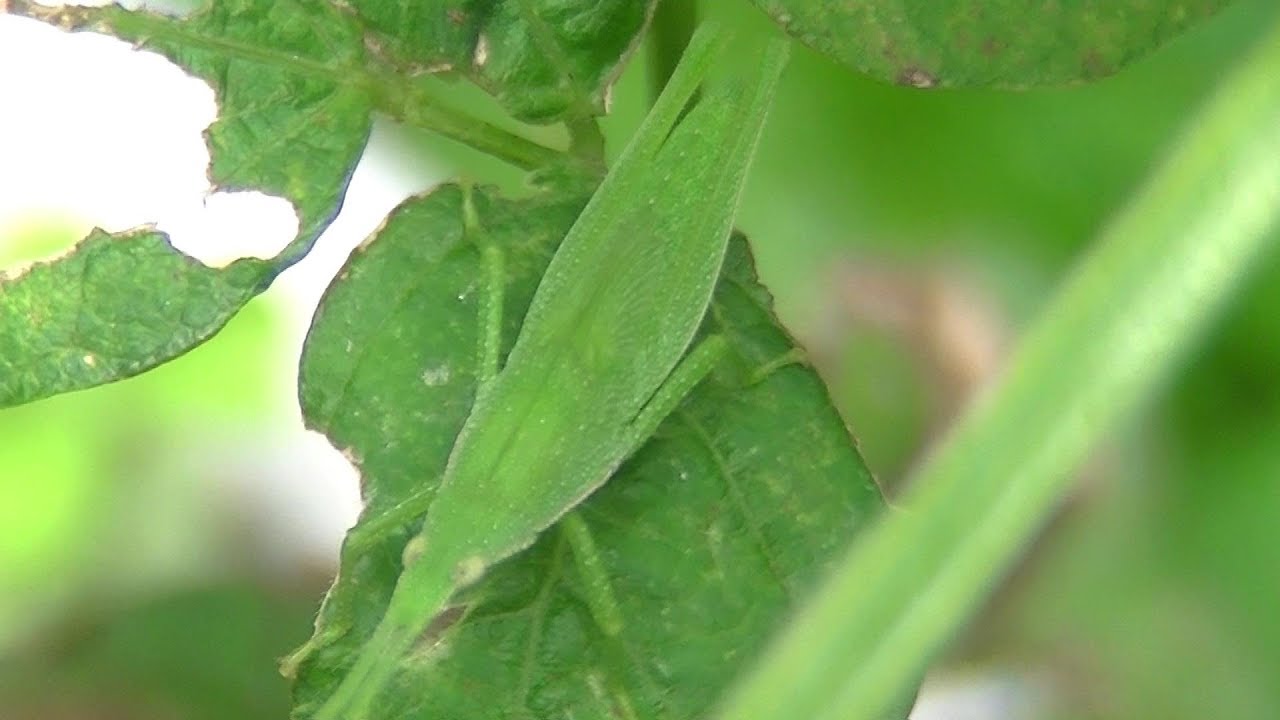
543 59
706 536
986 43
113 307
291 123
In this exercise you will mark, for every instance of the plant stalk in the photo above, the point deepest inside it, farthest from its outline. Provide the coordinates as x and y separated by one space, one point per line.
415 107
1114 331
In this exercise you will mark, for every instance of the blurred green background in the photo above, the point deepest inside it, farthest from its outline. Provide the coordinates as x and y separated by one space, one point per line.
908 235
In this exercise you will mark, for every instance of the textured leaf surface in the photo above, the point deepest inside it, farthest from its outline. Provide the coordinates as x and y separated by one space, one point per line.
290 123
987 43
706 535
113 307
543 59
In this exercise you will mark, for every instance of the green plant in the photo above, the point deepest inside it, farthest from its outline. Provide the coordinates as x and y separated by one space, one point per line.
740 498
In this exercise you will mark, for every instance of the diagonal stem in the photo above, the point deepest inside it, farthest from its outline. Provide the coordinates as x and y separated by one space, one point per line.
1114 332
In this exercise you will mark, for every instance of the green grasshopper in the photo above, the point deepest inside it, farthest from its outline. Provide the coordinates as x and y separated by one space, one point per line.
599 362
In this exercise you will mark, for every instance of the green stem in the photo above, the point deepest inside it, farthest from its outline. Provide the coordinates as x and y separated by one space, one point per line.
1103 346
586 142
673 25
422 592
414 106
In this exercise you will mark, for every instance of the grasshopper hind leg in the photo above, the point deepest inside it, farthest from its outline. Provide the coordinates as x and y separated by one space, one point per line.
493 294
596 588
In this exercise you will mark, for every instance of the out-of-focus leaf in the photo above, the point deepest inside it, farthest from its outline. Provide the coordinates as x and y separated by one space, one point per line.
1166 263
986 43
203 654
89 500
543 59
707 535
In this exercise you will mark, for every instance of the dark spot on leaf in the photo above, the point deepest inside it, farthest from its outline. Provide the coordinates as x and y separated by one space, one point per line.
1094 66
917 78
441 624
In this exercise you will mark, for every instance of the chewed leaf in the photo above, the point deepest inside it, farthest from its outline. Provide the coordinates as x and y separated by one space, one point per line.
292 121
111 308
543 59
701 542
293 115
986 43
297 83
